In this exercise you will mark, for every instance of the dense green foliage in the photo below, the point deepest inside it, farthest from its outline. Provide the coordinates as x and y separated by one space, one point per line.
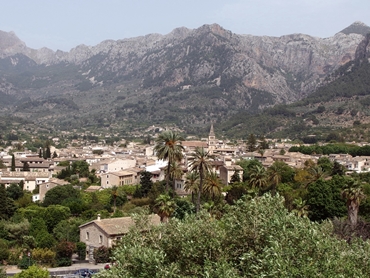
256 238
327 149
33 272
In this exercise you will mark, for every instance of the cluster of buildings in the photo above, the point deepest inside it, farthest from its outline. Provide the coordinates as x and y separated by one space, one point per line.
122 166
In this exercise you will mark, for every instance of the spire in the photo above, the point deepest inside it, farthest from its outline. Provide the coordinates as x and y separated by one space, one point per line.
211 132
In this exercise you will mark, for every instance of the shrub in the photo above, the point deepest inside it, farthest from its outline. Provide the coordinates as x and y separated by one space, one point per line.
65 249
45 240
4 251
81 250
14 255
102 254
25 262
63 262
140 201
43 256
33 272
2 273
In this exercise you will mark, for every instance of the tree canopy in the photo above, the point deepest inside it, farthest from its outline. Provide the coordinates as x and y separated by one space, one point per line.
256 238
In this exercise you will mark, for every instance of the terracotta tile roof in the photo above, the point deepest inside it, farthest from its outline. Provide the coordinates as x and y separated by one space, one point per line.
194 144
93 188
121 225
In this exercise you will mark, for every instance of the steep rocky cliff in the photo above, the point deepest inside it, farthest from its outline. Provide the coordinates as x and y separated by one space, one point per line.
211 68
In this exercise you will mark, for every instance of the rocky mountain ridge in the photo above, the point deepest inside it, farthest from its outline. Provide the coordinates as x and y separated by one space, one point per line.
210 67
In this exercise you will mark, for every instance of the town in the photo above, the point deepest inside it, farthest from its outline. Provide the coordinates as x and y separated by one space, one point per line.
125 169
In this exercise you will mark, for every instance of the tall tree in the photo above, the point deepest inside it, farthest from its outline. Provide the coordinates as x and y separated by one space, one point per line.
275 174
353 194
192 184
145 182
3 203
168 147
251 143
263 143
26 167
201 164
258 177
114 196
13 164
48 152
213 185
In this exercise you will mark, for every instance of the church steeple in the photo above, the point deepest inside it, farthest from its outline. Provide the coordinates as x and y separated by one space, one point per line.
211 132
211 140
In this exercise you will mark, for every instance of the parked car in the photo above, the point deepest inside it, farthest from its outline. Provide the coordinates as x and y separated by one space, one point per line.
84 272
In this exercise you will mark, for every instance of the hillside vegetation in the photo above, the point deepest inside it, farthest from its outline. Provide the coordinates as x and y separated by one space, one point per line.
338 110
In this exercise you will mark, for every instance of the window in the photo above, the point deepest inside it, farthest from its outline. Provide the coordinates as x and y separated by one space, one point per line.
87 235
100 239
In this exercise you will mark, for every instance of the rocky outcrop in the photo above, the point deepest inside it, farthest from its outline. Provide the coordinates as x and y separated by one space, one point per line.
251 71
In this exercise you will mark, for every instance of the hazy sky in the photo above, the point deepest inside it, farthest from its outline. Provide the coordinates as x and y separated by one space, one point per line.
64 24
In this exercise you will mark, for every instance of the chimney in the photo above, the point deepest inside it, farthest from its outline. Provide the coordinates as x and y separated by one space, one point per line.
98 217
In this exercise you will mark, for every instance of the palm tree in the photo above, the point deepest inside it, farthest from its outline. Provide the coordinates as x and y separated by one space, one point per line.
165 206
168 147
258 177
275 173
202 166
317 173
192 184
353 194
212 185
300 207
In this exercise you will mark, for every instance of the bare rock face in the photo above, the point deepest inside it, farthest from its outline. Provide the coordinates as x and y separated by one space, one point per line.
244 67
10 44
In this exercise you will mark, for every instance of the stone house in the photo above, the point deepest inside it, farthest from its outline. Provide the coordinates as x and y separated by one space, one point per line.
104 232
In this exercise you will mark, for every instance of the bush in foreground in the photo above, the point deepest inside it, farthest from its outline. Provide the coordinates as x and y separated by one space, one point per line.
256 238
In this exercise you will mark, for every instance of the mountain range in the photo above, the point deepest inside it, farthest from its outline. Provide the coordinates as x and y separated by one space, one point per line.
187 78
